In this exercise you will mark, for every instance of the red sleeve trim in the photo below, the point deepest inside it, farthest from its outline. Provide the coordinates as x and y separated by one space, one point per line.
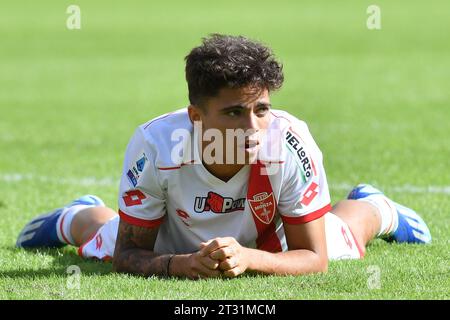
307 218
140 222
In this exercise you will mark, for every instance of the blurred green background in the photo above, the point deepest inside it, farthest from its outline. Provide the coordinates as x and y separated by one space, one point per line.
377 101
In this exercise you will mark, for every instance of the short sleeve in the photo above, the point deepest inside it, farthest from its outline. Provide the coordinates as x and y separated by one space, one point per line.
304 192
141 199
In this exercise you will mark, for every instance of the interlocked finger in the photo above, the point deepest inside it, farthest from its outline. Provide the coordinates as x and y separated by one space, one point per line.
228 264
223 253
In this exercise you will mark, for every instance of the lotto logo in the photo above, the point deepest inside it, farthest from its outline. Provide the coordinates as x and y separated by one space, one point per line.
133 198
184 216
346 238
309 194
98 242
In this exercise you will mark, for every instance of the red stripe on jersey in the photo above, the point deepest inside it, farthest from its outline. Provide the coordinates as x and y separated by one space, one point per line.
178 167
314 167
272 162
268 240
260 196
140 222
160 118
307 218
169 168
280 117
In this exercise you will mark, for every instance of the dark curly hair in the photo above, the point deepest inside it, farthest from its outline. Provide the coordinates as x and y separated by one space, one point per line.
224 61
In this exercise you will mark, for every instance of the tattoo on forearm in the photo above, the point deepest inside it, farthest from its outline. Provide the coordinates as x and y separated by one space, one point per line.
134 252
142 262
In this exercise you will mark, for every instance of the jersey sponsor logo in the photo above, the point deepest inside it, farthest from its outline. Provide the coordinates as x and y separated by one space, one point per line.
310 194
133 198
132 178
263 206
216 203
305 161
138 166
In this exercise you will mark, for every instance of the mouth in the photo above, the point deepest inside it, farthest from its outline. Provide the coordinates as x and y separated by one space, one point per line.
251 144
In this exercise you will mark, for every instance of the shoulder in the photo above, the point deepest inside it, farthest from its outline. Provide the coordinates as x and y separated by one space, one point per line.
162 127
161 136
289 123
294 134
298 148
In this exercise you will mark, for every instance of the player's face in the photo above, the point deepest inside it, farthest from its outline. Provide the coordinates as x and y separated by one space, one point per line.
236 111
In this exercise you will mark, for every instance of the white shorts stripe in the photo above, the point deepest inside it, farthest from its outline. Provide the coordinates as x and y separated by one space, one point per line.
32 226
26 237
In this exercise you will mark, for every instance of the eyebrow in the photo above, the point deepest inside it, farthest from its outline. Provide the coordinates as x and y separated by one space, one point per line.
239 106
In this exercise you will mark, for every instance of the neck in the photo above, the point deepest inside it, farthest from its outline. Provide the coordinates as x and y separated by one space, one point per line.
224 172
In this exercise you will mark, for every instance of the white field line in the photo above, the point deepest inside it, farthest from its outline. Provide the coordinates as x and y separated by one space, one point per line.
114 182
81 181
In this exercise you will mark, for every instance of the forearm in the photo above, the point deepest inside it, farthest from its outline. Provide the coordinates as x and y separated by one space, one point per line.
141 262
148 263
293 262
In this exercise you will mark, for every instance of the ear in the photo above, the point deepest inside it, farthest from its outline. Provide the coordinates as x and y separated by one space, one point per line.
195 113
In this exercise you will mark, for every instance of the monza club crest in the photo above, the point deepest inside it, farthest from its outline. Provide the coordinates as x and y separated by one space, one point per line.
263 206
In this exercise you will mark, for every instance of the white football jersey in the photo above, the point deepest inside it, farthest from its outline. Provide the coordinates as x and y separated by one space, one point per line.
161 186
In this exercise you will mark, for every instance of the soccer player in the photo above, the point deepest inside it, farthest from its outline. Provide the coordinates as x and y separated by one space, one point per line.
226 185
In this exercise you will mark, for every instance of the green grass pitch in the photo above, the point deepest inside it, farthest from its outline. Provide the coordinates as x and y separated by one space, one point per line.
377 103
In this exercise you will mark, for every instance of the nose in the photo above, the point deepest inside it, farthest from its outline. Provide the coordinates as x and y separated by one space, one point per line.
251 122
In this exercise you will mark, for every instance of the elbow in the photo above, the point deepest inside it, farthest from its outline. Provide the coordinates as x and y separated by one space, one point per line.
315 265
323 266
118 265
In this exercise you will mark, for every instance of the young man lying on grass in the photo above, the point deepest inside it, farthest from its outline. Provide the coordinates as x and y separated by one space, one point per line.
226 185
